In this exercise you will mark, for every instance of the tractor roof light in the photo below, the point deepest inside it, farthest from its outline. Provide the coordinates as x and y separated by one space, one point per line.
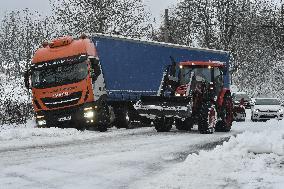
45 44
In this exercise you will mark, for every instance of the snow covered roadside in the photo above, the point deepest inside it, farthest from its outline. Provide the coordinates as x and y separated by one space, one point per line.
253 159
13 137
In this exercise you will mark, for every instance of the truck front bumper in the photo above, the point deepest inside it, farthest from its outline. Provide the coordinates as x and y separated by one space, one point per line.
259 116
68 117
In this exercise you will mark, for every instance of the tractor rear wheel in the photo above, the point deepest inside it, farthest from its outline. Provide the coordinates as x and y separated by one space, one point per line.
207 119
226 115
163 124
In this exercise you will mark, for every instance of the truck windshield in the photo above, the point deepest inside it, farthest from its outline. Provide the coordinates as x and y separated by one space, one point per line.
267 101
54 76
185 74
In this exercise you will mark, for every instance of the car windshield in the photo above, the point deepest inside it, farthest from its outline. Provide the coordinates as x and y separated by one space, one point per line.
240 96
55 76
185 74
267 102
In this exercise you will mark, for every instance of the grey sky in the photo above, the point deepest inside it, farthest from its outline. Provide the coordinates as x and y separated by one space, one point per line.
156 7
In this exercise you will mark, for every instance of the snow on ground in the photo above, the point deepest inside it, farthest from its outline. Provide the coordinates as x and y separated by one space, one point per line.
253 159
142 158
14 137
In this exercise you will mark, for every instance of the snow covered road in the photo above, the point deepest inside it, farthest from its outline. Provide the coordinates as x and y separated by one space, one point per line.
138 158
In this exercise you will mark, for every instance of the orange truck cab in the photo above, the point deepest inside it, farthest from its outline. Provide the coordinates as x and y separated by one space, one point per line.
67 84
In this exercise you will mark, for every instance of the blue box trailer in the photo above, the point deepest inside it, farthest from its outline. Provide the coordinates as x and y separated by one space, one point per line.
134 71
133 68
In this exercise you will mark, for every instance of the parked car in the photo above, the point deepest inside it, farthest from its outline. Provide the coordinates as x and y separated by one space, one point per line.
266 108
241 97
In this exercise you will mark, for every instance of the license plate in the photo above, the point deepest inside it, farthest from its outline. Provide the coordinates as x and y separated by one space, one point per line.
67 118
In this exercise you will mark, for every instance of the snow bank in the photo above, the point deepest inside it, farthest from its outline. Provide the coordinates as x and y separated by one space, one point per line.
253 159
14 137
26 135
13 89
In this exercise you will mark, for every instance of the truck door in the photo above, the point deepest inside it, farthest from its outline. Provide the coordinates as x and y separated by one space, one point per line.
98 81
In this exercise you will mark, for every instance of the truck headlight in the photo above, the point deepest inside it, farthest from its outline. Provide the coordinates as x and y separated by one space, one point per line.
89 114
177 94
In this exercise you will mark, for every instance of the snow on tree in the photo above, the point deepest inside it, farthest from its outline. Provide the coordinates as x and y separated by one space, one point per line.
123 17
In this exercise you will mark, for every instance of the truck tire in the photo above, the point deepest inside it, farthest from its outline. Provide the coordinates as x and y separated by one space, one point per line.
163 124
123 118
185 125
103 118
226 115
207 119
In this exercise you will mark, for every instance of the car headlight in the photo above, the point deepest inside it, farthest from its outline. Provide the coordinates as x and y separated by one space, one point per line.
256 110
280 110
41 122
89 114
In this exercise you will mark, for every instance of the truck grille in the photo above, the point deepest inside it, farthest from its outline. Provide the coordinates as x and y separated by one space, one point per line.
72 99
268 111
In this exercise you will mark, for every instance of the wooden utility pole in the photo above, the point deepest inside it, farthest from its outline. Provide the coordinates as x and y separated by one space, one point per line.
167 31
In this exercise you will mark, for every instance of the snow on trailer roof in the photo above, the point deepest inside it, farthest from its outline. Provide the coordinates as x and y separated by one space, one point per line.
119 37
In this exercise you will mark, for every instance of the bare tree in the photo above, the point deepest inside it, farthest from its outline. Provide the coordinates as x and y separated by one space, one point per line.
124 17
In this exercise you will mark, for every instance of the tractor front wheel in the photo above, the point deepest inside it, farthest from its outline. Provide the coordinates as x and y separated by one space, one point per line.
207 119
226 115
163 124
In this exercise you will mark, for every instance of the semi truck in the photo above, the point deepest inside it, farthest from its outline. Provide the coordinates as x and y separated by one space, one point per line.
96 81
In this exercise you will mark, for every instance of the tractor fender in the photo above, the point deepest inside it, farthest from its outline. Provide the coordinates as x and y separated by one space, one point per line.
222 93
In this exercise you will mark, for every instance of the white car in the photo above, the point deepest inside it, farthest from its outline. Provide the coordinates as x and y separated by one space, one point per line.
266 108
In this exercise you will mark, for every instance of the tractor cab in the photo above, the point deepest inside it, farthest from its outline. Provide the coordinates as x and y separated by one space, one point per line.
191 93
195 75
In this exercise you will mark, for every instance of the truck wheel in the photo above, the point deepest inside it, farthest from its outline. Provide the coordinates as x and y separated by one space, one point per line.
123 119
207 119
185 125
103 118
102 128
226 114
163 124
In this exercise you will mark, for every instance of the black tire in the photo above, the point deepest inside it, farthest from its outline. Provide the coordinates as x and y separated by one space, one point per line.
102 128
145 122
123 118
103 118
185 125
207 119
163 124
226 115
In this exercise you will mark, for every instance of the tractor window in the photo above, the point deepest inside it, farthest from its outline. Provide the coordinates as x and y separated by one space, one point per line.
203 73
185 75
199 72
218 79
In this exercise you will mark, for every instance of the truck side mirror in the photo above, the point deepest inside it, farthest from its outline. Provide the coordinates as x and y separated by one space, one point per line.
95 68
27 75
